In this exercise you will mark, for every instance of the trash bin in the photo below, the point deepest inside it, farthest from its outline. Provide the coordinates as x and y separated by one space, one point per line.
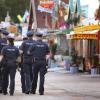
74 70
67 62
93 71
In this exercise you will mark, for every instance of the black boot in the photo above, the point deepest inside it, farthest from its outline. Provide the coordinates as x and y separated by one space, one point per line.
41 93
0 91
5 92
27 92
11 94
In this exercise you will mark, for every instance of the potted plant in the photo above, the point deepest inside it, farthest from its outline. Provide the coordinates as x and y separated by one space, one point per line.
53 49
74 63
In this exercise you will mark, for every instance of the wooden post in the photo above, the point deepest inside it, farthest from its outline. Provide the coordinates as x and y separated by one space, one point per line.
31 18
34 15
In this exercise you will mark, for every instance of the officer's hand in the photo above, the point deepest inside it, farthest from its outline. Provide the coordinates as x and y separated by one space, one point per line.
1 57
20 51
46 70
19 69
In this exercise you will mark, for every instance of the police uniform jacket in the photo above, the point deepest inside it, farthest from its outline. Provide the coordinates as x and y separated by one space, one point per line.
25 47
10 53
39 50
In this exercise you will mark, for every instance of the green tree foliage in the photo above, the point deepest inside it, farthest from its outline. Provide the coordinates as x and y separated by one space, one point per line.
14 7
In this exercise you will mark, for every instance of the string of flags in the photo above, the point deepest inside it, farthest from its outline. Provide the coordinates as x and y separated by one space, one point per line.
25 17
62 14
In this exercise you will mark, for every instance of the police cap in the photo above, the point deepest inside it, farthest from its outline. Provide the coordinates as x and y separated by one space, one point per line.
29 34
10 36
38 34
4 31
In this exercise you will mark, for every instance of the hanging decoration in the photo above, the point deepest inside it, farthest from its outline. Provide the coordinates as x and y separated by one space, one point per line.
77 13
71 6
61 11
46 6
20 18
66 15
55 12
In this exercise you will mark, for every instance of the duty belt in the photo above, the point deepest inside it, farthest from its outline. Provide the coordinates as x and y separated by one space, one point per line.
38 59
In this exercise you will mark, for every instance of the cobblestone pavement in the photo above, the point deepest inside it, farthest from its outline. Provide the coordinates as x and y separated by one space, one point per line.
62 86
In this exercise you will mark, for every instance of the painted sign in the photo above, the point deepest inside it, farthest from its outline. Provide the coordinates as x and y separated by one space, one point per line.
47 4
42 9
84 36
12 29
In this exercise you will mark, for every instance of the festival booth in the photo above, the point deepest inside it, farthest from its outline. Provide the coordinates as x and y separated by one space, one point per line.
84 40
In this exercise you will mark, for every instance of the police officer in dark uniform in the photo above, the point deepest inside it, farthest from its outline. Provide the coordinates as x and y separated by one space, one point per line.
22 70
10 53
27 61
39 50
3 38
3 42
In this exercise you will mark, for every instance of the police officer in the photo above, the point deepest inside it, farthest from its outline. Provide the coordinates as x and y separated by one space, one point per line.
27 61
3 38
39 50
10 54
3 42
22 70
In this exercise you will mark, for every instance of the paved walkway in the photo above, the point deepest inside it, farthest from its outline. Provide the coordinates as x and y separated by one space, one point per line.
61 85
